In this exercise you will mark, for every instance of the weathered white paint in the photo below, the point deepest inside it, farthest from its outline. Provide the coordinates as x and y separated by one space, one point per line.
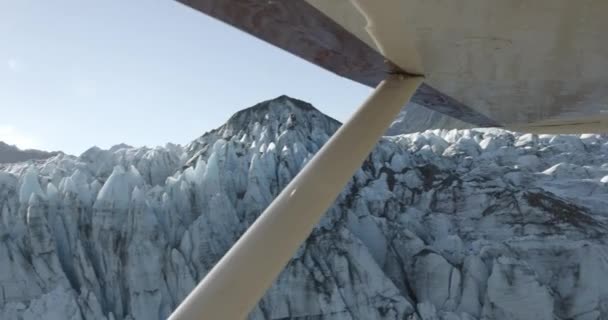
518 62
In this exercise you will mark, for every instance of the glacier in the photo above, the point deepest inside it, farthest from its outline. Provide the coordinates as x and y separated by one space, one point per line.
459 224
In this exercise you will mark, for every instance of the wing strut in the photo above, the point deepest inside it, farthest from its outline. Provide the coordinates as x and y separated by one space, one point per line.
240 279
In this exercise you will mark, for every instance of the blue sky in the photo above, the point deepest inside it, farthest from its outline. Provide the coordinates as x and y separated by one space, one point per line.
75 73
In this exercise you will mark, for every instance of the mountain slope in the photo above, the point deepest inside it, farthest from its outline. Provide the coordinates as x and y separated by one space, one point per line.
465 224
11 154
415 118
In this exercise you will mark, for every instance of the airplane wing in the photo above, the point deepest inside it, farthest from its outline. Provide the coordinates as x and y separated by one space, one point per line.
526 65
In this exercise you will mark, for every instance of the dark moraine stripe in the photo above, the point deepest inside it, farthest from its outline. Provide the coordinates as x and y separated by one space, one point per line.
301 29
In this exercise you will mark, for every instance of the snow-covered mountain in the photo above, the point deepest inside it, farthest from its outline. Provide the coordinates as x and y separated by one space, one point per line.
469 224
11 154
416 118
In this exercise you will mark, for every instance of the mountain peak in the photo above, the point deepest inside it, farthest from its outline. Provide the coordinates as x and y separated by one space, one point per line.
296 102
277 114
283 97
267 121
277 106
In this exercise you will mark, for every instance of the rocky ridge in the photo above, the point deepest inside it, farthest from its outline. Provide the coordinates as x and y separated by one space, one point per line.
12 154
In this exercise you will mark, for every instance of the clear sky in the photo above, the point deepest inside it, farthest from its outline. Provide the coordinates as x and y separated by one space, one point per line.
76 73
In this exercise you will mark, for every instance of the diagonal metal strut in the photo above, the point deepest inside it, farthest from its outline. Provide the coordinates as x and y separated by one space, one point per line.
240 279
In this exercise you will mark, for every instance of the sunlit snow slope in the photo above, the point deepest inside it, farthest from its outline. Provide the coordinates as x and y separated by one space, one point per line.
466 224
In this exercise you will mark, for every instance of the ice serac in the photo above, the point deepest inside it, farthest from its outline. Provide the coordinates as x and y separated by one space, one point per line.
461 224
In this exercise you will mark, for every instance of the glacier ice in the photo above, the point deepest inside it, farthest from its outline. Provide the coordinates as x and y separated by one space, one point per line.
441 224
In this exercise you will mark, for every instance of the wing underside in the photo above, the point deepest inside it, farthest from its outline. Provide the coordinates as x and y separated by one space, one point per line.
526 65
